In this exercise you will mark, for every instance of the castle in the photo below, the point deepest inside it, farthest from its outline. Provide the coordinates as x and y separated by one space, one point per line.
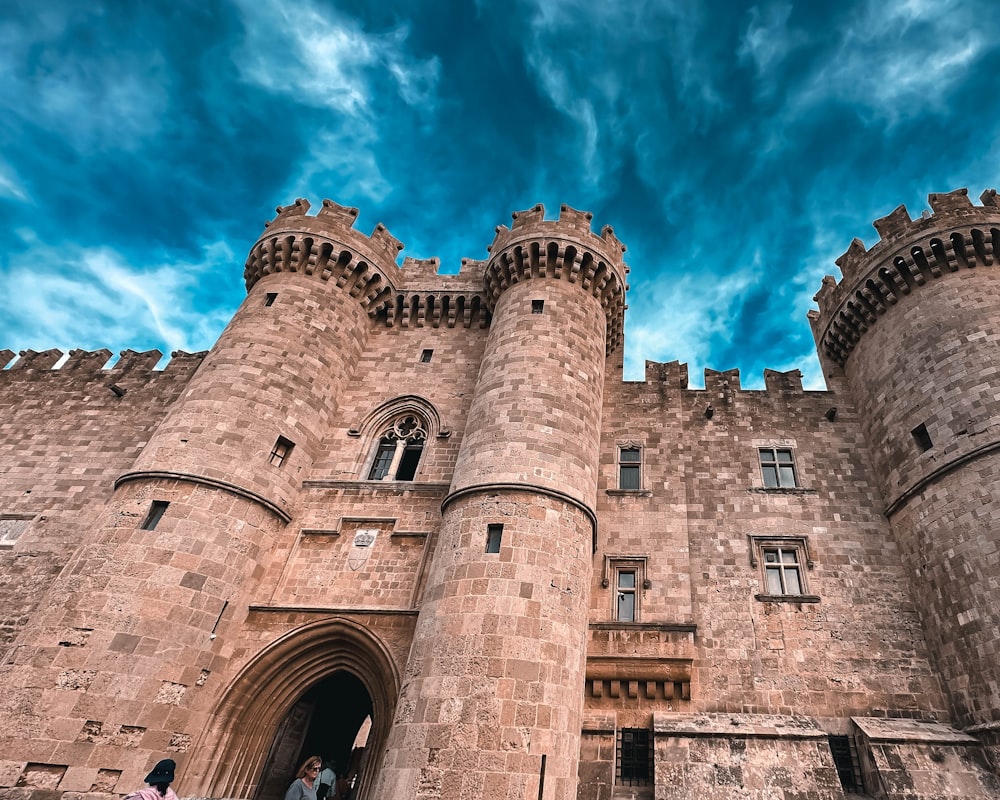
419 524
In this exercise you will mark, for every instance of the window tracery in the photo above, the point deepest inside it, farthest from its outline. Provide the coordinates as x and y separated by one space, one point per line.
397 454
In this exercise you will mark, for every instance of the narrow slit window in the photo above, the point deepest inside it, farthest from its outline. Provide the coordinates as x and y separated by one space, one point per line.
425 356
845 759
280 452
537 306
156 511
269 298
494 534
922 438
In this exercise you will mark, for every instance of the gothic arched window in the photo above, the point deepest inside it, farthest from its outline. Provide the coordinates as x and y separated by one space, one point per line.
398 451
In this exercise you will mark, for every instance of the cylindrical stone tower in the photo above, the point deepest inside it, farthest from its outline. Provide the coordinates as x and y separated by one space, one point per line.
494 686
188 531
913 327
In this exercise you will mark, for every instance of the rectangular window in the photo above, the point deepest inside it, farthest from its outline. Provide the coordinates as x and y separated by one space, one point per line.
781 570
425 356
269 298
845 758
494 533
280 452
922 438
626 577
10 529
156 512
630 468
782 561
625 602
777 467
633 756
383 460
537 306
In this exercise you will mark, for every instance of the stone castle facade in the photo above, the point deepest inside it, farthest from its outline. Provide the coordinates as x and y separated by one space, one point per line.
419 524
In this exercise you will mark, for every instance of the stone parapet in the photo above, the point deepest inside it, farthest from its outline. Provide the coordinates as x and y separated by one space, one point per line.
326 245
909 255
565 249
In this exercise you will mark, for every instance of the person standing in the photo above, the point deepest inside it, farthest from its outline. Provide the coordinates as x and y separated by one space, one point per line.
327 777
159 781
304 785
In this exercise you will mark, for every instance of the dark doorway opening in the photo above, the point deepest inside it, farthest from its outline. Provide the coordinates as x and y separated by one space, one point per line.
326 722
340 707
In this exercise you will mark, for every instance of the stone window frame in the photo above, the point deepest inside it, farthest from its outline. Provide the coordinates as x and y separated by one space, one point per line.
280 452
774 447
373 429
643 738
10 532
623 445
759 545
614 566
406 432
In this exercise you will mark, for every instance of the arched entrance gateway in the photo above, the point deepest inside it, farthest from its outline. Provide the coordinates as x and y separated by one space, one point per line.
318 690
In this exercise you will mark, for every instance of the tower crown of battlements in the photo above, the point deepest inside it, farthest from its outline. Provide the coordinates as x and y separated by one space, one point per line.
909 254
327 245
567 249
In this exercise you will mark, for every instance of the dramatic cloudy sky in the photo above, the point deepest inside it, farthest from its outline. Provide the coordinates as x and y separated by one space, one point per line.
736 147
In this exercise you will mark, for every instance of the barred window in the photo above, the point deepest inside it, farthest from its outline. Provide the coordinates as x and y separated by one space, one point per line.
634 758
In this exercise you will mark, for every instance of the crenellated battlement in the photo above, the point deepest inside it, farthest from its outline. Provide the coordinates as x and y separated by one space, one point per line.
909 254
327 245
94 363
723 383
566 249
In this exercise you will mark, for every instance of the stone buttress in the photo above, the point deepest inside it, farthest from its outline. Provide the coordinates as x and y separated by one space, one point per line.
913 329
493 691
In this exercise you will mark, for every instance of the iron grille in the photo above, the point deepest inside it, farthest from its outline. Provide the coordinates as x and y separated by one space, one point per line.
635 757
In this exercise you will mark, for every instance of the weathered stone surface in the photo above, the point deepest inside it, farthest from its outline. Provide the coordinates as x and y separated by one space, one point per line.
296 584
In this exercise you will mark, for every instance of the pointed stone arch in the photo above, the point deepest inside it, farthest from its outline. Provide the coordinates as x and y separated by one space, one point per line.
235 744
380 419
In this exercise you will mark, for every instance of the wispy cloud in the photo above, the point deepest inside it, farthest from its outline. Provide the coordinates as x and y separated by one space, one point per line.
897 59
317 56
98 99
768 40
87 297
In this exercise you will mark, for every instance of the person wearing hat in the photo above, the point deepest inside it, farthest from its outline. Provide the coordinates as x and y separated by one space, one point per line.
159 781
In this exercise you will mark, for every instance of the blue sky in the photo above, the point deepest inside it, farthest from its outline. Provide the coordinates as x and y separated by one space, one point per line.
736 148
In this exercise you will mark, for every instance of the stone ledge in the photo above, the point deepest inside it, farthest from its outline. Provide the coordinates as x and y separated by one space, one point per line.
764 726
901 731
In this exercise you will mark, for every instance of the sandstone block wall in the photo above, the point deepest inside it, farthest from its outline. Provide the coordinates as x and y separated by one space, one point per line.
478 664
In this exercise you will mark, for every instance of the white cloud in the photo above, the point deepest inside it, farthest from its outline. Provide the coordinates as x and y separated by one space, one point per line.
898 59
681 317
325 60
95 98
767 39
10 185
92 297
319 58
340 159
